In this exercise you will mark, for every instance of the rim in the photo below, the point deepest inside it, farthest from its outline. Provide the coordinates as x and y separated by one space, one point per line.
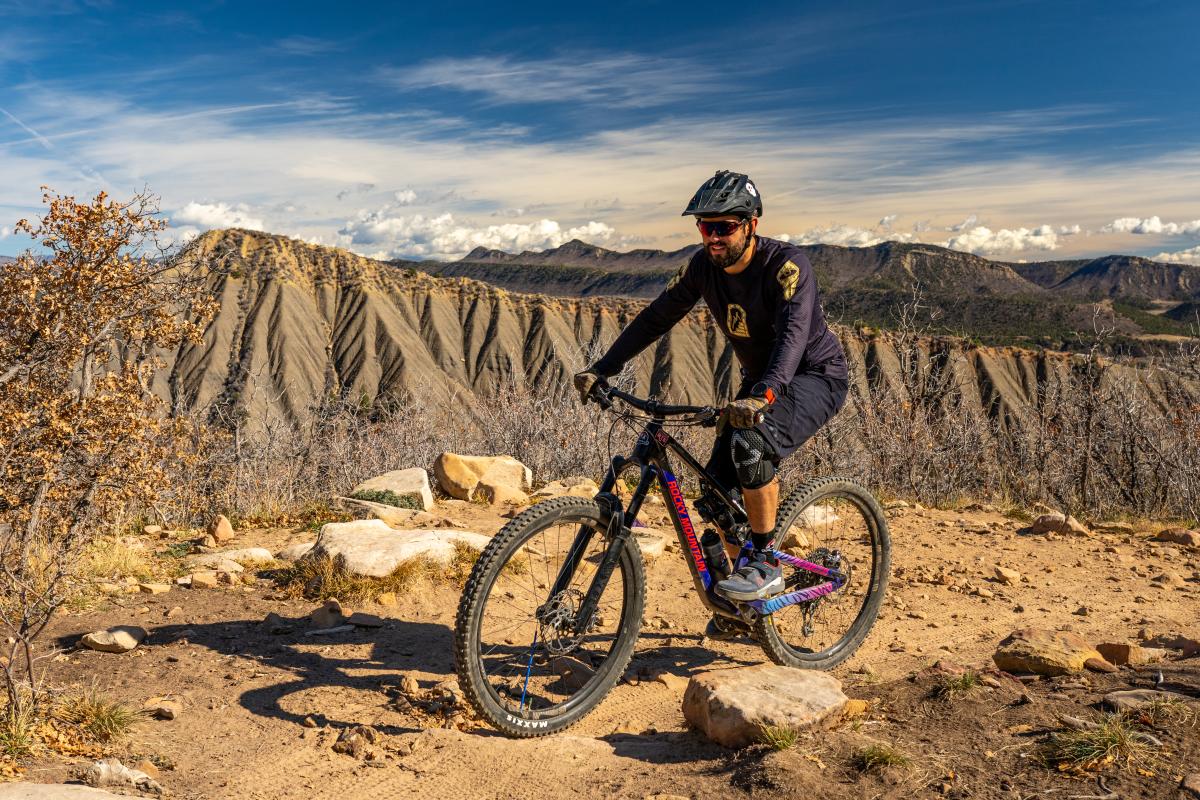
836 530
537 668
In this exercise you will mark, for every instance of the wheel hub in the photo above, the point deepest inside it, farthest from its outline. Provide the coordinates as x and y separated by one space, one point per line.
556 621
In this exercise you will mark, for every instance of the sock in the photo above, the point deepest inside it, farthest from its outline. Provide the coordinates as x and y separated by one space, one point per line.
762 541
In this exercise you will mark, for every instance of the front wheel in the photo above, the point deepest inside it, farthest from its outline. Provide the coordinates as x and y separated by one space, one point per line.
837 523
522 661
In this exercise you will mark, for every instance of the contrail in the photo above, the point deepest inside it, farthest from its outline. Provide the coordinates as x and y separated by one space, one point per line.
42 140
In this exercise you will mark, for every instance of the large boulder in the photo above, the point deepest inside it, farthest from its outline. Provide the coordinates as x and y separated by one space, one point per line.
1044 652
461 475
410 486
370 548
732 706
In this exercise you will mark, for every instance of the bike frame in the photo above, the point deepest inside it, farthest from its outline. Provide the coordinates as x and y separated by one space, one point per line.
651 456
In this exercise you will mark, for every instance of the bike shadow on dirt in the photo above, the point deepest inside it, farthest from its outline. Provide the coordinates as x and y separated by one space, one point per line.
362 660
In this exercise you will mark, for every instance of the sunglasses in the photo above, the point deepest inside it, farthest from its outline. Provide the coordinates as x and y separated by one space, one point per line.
724 228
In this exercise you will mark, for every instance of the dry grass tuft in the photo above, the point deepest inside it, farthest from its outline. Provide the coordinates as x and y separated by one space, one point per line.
116 558
18 732
953 686
879 756
1115 740
325 578
778 737
103 719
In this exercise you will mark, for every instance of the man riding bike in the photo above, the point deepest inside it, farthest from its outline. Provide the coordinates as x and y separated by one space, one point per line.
763 295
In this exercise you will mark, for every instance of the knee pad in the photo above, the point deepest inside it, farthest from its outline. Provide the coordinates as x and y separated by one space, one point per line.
752 458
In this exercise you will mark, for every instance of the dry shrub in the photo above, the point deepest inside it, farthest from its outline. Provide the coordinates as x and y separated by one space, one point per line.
101 717
325 578
82 437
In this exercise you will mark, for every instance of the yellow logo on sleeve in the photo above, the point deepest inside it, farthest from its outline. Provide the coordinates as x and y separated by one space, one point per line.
676 278
735 321
788 277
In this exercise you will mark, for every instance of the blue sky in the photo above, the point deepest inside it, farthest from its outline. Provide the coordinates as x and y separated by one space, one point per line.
1017 130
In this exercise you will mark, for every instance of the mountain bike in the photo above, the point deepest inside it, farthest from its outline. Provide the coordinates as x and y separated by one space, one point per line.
552 609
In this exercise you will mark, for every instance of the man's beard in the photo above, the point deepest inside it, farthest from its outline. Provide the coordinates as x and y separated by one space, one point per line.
731 255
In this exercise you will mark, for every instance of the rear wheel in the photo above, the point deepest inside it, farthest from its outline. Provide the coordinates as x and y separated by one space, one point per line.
520 661
836 523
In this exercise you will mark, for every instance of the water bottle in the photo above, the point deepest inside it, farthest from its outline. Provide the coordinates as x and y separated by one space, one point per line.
714 553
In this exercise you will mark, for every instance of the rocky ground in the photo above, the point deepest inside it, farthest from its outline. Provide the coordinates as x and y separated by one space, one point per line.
265 711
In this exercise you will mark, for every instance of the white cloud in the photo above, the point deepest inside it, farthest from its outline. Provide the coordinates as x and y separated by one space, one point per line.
383 233
206 216
5 232
966 223
887 221
617 79
847 236
985 241
1069 230
1189 256
1152 225
921 226
405 197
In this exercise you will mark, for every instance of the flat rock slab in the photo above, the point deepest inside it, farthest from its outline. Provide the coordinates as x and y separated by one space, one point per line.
396 517
410 485
294 552
372 549
1044 652
54 791
120 639
1133 699
731 706
222 559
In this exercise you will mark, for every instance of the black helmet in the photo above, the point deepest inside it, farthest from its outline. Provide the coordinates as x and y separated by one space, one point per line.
726 193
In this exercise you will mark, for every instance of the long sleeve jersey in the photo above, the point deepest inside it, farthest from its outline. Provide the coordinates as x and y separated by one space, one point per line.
770 312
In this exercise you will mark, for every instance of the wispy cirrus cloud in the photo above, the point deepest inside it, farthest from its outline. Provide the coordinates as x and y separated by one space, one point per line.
620 79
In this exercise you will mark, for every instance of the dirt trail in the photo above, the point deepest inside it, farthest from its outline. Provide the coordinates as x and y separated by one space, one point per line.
251 695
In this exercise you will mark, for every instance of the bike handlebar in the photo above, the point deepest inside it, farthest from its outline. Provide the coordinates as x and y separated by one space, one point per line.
604 394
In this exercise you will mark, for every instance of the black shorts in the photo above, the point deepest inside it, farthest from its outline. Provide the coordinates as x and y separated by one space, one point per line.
809 402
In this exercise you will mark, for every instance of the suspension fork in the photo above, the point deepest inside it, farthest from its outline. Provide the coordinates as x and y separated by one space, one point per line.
617 534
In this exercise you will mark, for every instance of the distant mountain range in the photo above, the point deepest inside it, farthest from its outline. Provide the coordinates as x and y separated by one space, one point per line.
1047 303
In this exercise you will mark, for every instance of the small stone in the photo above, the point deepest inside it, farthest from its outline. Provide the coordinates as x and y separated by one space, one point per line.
121 639
1082 611
329 615
147 766
1009 577
985 593
1169 580
856 707
221 529
208 541
173 612
387 600
409 685
163 708
206 579
1098 665
152 530
672 681
573 672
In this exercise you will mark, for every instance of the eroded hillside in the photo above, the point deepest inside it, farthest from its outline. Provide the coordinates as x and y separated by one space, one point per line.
300 322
